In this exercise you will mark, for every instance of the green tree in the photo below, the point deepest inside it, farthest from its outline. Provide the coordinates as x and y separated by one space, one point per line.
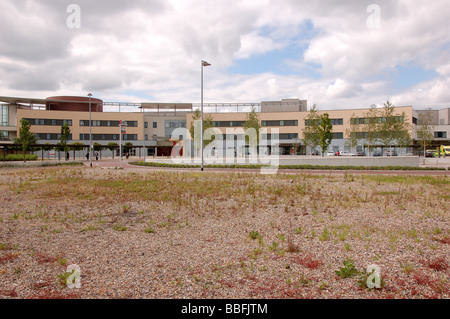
207 123
252 121
325 129
76 146
425 128
127 147
112 147
311 135
46 147
394 130
371 127
353 133
64 137
26 137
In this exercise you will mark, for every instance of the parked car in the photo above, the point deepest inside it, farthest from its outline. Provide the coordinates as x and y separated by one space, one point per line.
361 154
376 153
330 153
431 153
345 153
391 153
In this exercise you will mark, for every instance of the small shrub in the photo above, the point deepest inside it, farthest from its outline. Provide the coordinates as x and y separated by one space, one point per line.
254 234
349 269
19 157
64 276
439 263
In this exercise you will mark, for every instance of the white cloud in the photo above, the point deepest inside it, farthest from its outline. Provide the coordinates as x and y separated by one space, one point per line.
155 47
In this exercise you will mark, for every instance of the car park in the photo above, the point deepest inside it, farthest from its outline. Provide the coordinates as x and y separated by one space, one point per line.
376 153
346 153
391 153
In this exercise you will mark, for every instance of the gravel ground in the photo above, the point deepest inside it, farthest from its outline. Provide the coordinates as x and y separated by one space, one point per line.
153 234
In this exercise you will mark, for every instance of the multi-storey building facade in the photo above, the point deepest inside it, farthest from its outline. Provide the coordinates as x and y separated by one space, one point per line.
152 125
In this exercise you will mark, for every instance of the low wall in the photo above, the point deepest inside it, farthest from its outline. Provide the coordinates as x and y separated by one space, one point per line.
410 161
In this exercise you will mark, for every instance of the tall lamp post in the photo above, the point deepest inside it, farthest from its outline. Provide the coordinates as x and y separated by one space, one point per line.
90 133
204 63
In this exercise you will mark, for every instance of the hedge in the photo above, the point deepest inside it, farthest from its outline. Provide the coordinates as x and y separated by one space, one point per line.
19 157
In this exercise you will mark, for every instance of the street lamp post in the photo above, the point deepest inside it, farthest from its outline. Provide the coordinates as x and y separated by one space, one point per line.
204 63
143 132
90 133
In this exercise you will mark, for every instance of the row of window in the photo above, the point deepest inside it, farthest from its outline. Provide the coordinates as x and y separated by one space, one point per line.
374 120
50 136
49 122
108 123
263 123
333 122
133 137
280 123
109 137
281 136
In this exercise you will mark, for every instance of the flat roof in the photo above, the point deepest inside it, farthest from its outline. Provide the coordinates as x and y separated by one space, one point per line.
15 100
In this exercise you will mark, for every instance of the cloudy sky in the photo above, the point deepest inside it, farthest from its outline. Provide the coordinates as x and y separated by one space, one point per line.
336 54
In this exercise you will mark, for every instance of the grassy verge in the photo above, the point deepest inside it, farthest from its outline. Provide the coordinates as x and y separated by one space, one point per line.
314 167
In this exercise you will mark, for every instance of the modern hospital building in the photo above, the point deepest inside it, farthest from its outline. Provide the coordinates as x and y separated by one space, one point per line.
149 126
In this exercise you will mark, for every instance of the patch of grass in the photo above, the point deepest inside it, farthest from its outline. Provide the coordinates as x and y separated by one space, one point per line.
119 227
254 235
89 228
325 235
149 230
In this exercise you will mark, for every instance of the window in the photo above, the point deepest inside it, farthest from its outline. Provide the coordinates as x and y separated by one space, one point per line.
4 136
155 124
51 136
281 136
440 134
280 123
145 124
102 123
338 136
337 121
49 122
108 137
5 115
